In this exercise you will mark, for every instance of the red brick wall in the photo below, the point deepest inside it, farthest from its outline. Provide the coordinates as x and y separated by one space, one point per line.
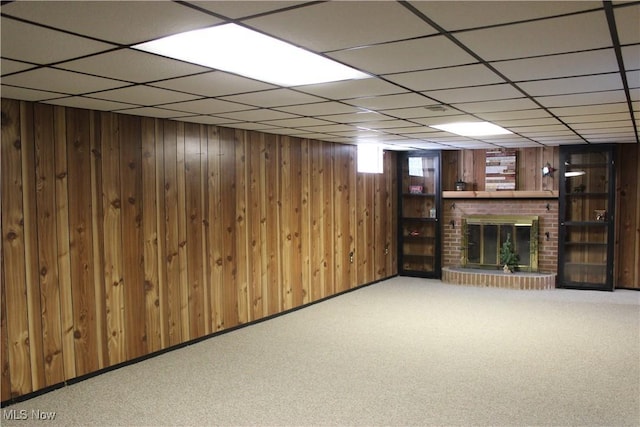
456 209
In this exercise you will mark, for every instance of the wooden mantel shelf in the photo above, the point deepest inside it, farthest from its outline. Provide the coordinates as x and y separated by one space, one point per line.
545 194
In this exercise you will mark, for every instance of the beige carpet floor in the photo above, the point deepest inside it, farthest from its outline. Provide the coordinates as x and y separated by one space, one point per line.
404 351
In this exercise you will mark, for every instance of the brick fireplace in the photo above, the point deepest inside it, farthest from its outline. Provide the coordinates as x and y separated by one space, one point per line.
455 209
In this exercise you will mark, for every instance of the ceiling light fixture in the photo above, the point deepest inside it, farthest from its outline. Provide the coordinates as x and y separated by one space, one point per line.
239 50
472 128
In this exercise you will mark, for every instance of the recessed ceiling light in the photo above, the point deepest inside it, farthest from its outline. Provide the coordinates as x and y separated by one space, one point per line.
472 128
242 51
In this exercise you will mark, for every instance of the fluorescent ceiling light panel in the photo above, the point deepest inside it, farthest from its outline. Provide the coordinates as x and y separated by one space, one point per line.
242 51
472 128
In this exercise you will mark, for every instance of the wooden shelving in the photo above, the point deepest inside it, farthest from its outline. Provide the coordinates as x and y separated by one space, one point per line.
515 194
419 209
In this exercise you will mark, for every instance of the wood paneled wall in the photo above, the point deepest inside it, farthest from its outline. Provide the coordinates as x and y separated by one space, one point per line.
627 246
470 165
123 236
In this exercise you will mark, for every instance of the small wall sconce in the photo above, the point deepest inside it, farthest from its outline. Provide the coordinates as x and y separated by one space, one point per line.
453 224
548 170
548 207
546 234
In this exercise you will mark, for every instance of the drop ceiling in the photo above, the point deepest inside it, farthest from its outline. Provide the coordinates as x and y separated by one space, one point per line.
552 72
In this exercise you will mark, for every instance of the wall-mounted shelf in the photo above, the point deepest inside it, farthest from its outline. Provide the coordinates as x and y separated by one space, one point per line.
516 194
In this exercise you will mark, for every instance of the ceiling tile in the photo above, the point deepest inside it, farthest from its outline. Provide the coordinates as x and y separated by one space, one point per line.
602 82
329 128
241 9
441 120
472 14
581 110
410 55
257 115
26 94
475 93
390 101
215 83
89 103
273 98
565 65
208 120
330 26
603 125
355 117
131 22
555 35
42 45
633 79
60 81
627 23
351 89
411 130
605 97
492 106
532 113
143 95
296 122
631 57
206 106
153 112
9 66
538 128
259 126
320 109
389 125
596 118
527 122
132 66
446 78
418 112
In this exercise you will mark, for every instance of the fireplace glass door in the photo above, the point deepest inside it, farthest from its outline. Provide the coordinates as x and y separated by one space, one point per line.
484 236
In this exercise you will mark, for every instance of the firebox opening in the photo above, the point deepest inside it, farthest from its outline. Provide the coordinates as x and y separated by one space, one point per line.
484 235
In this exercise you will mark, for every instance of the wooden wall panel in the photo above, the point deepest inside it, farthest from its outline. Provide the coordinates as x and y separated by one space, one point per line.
150 236
31 245
5 371
81 240
112 232
132 253
341 209
328 159
124 236
241 221
63 241
13 249
95 144
47 245
194 236
174 320
230 312
627 256
213 237
256 212
306 242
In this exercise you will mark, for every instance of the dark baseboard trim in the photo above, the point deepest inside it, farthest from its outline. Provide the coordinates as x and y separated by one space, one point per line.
84 377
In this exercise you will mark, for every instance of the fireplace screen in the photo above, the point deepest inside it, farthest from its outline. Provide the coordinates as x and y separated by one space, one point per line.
484 235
